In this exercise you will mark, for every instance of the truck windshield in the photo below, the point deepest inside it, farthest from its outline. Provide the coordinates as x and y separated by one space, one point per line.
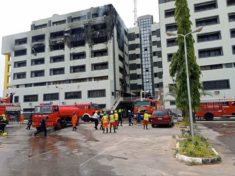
142 103
42 109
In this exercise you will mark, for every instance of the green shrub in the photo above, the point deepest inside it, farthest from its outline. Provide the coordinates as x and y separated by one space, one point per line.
196 147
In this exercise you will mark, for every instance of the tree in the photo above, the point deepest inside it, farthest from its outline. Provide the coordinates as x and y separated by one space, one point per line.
177 66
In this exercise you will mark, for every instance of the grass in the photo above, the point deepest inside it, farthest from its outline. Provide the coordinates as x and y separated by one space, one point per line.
196 147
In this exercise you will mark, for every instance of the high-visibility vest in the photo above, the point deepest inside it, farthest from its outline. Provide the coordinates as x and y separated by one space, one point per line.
105 119
146 116
111 117
116 116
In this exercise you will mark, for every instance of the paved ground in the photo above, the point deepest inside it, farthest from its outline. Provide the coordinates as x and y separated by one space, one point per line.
131 151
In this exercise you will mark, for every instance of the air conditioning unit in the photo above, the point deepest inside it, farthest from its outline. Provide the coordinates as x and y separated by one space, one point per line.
217 92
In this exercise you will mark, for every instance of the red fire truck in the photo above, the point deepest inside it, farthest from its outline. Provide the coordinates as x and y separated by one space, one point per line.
60 115
216 108
11 110
145 104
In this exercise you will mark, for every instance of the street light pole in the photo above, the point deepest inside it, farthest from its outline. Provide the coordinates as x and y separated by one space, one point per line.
187 75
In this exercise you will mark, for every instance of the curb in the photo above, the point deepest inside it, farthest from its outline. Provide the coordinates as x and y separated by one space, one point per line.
198 161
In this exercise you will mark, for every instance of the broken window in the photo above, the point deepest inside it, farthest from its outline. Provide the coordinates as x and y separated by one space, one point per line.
21 41
78 68
57 59
38 48
99 66
78 37
76 56
99 34
99 53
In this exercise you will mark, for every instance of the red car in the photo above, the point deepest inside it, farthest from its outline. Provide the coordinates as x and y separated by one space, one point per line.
162 118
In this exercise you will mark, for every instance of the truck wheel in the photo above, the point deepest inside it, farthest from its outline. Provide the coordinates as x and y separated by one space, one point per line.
86 118
209 116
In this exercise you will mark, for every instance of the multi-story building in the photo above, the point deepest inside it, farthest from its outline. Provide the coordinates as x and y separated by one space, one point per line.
145 60
77 57
214 45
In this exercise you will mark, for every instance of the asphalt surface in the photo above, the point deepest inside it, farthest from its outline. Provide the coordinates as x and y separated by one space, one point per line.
131 151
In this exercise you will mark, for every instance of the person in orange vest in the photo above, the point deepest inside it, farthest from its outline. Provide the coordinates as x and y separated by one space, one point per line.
21 120
112 122
116 120
105 122
74 121
146 120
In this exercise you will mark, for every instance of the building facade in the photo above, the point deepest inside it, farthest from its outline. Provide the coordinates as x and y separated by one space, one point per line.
145 60
214 45
77 57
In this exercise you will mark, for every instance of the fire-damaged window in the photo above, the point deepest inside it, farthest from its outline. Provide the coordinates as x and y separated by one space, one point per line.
57 40
51 97
38 38
96 93
99 34
99 66
77 56
37 73
56 59
77 37
38 48
73 95
37 61
99 53
56 71
20 75
78 68
30 98
21 41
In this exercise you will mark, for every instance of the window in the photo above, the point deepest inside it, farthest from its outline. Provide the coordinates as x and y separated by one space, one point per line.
77 56
208 36
158 75
21 75
171 27
38 61
30 98
20 52
230 2
212 67
210 52
101 78
78 68
38 73
99 53
169 57
165 1
73 95
79 18
157 53
38 48
96 93
159 85
16 99
233 47
216 85
135 87
231 17
21 41
39 26
99 66
132 56
133 46
205 6
56 71
171 42
132 66
56 59
207 21
169 13
39 84
131 36
232 33
58 22
51 97
38 38
133 76
157 32
19 64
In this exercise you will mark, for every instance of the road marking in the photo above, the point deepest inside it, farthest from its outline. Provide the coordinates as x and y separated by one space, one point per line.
105 150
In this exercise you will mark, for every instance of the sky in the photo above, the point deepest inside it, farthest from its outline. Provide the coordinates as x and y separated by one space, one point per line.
16 16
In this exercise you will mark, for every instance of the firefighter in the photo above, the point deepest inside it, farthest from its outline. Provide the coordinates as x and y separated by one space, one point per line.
30 121
112 122
120 114
105 122
146 120
129 116
74 121
116 119
43 127
96 119
100 116
3 123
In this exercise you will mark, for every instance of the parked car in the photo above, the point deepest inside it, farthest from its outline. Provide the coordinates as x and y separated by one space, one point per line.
163 117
